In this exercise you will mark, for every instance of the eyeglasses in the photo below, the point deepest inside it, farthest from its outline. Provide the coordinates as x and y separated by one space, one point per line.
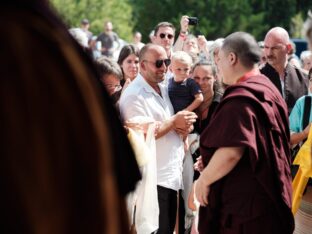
160 62
112 86
163 35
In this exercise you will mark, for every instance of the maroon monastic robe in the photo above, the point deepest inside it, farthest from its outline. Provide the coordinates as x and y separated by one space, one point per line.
255 197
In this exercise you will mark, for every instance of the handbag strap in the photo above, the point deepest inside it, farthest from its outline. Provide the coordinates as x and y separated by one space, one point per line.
306 111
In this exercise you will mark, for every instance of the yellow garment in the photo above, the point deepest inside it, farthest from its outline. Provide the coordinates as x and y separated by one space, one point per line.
303 159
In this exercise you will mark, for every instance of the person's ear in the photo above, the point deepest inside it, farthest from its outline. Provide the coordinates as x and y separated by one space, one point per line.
289 48
232 58
142 66
170 68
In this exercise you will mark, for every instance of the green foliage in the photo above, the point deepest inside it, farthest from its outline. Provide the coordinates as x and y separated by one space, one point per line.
97 11
218 18
296 26
279 12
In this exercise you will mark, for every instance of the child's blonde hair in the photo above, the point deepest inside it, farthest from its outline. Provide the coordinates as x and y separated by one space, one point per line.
182 57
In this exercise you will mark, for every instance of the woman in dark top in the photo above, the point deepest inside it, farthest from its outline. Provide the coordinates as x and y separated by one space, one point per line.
204 74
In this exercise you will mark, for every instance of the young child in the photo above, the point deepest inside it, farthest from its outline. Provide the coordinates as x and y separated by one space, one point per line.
184 92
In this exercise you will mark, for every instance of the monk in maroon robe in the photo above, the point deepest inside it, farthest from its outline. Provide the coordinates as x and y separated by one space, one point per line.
246 184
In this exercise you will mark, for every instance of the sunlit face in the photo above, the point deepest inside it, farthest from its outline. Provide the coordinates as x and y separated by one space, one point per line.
191 46
137 37
203 75
152 74
111 83
164 37
275 51
130 66
108 26
307 63
181 70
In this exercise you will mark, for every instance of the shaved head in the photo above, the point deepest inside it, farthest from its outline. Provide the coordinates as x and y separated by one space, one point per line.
278 34
276 47
147 48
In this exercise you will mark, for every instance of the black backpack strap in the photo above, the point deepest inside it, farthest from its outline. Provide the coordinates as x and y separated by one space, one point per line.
306 112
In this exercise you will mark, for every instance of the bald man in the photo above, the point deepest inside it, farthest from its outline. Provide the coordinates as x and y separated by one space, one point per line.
246 184
147 96
289 80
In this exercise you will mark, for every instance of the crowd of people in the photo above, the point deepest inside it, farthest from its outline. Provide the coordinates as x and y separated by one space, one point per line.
219 119
168 80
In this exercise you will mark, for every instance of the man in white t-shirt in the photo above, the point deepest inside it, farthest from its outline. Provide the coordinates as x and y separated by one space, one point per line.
147 96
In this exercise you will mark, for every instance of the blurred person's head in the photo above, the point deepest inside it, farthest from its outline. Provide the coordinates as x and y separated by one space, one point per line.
276 47
85 24
110 74
128 60
137 37
213 53
190 45
214 49
306 59
181 63
108 26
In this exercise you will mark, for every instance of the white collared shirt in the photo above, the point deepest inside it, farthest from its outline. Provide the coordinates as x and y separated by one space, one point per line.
140 99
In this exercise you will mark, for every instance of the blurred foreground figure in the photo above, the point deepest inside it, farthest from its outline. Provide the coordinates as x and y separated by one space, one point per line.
60 164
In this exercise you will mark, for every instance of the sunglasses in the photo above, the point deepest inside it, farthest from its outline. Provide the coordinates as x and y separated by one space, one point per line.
160 62
163 35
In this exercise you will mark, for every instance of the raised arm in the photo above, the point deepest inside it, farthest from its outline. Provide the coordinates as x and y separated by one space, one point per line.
178 46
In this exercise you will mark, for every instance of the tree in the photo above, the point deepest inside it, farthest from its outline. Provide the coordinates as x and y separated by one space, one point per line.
97 11
218 18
